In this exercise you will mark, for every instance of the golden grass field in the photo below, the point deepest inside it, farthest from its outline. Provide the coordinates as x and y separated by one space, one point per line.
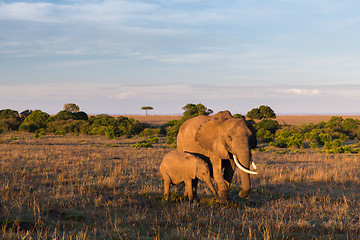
89 187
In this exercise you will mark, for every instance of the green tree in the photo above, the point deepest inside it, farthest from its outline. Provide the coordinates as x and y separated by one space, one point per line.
254 114
267 112
261 112
192 110
72 107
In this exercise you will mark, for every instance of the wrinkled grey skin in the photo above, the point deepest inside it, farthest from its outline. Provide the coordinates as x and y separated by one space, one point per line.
180 167
219 138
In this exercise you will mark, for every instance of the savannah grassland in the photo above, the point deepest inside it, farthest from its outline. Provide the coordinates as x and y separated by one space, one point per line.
90 187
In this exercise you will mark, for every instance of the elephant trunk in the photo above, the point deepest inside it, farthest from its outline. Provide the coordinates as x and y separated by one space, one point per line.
243 164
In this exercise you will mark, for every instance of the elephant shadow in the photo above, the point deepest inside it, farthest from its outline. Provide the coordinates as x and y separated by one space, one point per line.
261 195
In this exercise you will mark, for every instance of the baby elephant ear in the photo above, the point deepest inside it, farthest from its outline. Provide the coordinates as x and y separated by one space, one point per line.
208 134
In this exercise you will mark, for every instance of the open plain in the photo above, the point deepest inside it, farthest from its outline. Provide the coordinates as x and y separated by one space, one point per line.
90 187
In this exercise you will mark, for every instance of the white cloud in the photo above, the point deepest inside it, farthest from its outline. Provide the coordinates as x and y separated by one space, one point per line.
300 91
125 95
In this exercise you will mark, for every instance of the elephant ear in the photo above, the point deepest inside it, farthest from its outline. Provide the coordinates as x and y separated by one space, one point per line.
209 134
253 139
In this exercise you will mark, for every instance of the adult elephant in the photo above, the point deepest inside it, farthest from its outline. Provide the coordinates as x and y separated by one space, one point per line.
226 142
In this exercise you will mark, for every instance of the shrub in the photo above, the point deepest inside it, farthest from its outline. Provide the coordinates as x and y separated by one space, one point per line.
268 124
113 128
150 132
67 126
237 115
9 120
63 115
8 113
286 139
264 135
9 124
142 144
36 120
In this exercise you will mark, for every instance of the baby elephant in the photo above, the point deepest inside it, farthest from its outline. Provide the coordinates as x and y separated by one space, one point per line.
178 167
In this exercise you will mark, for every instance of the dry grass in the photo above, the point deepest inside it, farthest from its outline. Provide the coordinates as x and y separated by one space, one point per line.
304 119
88 187
156 120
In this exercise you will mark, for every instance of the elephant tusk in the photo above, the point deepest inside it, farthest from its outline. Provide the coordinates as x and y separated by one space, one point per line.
243 168
254 165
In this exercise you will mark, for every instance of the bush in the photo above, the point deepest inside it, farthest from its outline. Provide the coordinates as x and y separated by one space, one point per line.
345 149
268 124
261 112
150 132
237 115
8 114
68 126
285 139
9 124
264 135
9 120
142 144
36 120
113 128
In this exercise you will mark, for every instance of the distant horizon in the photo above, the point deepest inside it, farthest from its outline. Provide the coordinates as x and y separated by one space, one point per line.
180 114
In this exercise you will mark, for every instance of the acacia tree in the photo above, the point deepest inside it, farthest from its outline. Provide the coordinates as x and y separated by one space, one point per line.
146 108
72 107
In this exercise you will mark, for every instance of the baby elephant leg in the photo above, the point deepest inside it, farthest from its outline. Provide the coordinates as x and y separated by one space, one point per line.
189 189
167 183
194 187
208 182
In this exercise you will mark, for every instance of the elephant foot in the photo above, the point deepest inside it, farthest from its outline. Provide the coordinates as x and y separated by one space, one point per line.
244 194
223 197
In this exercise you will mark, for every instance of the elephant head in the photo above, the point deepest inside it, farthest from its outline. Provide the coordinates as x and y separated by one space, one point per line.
227 141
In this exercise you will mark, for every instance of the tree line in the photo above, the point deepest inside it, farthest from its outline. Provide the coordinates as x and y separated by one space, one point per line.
329 136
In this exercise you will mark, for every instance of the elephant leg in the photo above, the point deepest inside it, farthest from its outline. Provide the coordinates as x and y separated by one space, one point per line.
167 183
188 189
223 188
194 187
229 170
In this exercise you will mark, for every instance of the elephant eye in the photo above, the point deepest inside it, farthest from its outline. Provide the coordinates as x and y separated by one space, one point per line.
230 138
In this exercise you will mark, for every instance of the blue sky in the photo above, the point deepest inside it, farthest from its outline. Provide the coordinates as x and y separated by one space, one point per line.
296 56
